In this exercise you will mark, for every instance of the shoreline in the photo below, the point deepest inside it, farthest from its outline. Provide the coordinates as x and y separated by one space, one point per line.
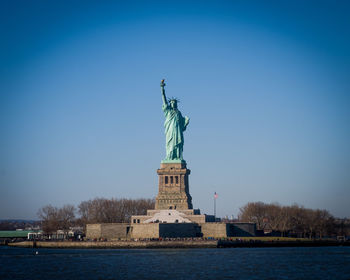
116 244
161 244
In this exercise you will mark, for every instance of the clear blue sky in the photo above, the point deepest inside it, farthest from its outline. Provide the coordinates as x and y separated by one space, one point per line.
265 83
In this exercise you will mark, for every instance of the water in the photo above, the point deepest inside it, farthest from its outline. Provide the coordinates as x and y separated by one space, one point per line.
228 263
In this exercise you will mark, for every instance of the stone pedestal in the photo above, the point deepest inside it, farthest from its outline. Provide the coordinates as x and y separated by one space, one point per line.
173 187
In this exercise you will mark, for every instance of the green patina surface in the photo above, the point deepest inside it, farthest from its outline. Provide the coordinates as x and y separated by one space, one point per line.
173 161
175 124
14 233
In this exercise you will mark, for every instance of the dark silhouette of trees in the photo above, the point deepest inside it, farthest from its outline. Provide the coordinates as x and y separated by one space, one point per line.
253 212
98 210
292 220
102 210
54 218
66 216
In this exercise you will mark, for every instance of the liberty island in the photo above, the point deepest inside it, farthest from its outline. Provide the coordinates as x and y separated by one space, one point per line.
173 215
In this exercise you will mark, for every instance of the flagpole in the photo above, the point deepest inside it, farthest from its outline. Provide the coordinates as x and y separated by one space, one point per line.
214 208
215 197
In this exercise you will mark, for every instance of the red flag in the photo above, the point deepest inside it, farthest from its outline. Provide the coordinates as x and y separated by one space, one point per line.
215 195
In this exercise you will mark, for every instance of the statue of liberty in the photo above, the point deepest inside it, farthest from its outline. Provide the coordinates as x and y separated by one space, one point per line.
175 124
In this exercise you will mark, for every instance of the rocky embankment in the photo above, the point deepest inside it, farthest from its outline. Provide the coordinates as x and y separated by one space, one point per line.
118 244
154 244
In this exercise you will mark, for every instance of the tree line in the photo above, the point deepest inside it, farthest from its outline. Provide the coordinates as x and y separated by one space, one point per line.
293 220
98 210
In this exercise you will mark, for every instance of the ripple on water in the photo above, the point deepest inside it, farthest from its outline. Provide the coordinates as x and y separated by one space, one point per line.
229 263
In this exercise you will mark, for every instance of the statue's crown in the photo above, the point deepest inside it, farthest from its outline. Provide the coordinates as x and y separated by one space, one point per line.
174 99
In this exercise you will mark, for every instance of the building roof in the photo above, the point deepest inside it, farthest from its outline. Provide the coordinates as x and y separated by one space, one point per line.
15 233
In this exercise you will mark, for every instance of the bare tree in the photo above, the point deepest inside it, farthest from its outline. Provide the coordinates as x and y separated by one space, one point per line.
49 217
295 219
102 210
324 223
66 216
298 223
273 216
253 212
54 218
286 219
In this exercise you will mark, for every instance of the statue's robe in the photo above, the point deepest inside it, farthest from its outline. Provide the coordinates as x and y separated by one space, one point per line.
174 125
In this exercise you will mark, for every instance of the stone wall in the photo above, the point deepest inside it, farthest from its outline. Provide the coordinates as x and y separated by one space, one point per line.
171 230
197 218
184 211
179 230
145 231
93 231
115 231
215 230
242 229
222 230
110 231
139 219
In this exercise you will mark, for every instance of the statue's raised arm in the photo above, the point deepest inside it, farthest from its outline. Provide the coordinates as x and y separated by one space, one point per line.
162 85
